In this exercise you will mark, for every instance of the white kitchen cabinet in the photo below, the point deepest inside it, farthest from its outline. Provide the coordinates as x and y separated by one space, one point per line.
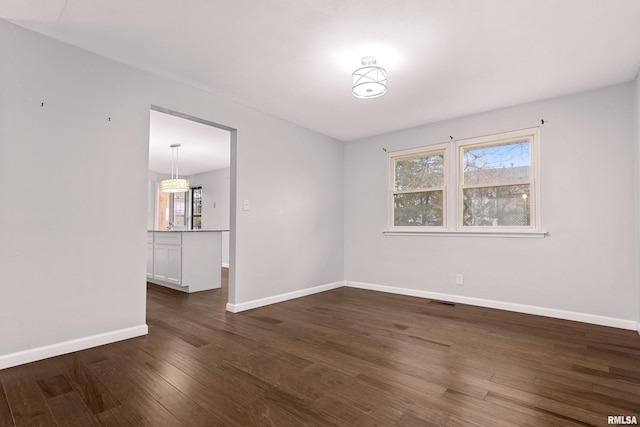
189 261
167 263
167 257
149 255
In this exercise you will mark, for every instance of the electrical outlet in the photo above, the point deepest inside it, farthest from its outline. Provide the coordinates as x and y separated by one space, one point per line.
459 279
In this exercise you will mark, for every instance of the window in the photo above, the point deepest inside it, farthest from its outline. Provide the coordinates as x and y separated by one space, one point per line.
496 181
196 208
417 196
171 211
496 178
179 209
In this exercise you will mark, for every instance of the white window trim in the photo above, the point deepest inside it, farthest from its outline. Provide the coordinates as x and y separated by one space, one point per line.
532 135
398 155
453 209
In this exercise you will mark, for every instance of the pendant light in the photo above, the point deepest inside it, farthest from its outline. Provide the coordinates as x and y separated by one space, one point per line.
370 81
175 184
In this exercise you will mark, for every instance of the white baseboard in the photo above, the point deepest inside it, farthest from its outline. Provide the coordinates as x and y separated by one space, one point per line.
236 308
518 308
225 264
39 353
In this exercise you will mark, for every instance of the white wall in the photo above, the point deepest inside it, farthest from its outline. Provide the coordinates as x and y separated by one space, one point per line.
151 199
588 262
73 244
70 232
216 199
293 233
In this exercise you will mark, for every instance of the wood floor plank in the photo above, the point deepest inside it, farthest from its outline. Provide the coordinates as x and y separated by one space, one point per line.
69 409
626 393
224 410
118 417
25 399
584 398
345 357
483 411
560 405
6 419
342 412
139 403
54 386
542 415
95 395
183 408
410 420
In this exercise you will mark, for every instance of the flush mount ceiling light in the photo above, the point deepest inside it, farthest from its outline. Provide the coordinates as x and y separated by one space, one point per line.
369 81
175 184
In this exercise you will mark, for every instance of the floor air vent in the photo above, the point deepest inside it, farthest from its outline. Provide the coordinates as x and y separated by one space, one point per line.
452 304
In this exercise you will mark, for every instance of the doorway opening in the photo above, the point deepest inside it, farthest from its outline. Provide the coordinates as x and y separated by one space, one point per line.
207 161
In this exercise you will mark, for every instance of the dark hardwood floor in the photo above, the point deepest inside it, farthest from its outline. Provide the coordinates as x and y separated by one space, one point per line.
346 357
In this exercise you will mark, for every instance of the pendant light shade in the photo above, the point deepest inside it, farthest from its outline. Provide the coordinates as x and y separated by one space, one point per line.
370 81
175 184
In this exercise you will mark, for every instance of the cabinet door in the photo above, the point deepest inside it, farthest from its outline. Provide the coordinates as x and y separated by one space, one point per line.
167 263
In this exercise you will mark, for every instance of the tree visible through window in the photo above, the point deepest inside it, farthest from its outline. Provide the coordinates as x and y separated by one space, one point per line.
496 180
496 187
418 188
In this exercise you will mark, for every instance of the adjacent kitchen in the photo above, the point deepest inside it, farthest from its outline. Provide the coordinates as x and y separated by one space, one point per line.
188 201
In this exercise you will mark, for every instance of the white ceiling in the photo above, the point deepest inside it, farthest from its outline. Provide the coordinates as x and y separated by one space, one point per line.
293 58
203 148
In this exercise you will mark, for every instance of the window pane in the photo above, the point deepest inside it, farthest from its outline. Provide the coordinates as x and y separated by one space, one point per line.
495 163
164 202
197 223
425 171
179 208
418 209
196 208
507 205
196 201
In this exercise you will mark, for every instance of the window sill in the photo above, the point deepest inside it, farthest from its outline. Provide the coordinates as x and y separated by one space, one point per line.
533 234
